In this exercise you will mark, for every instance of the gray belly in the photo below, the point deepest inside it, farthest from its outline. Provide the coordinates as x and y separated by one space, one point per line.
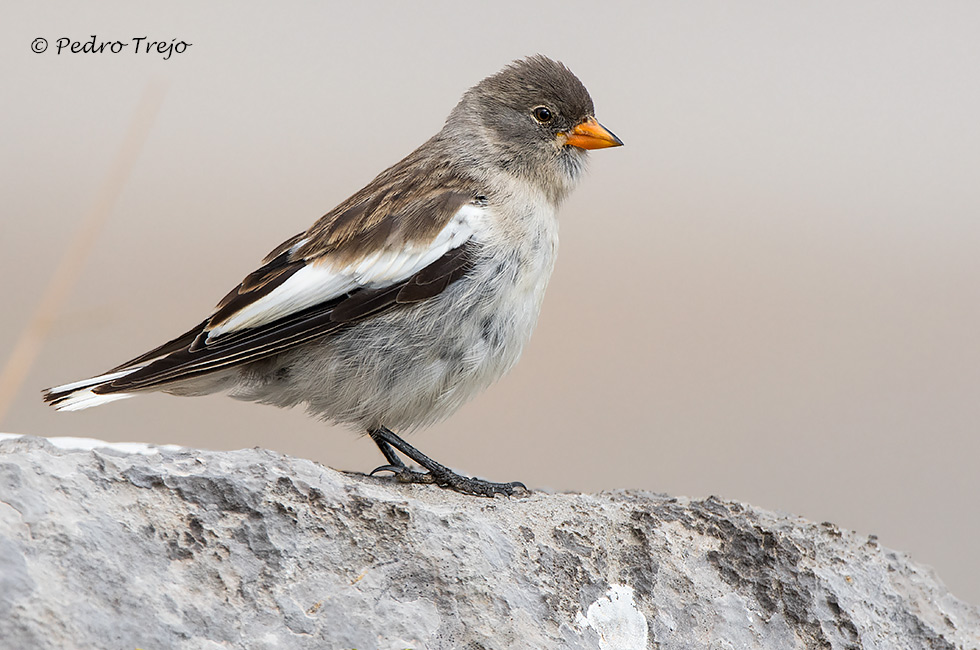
416 364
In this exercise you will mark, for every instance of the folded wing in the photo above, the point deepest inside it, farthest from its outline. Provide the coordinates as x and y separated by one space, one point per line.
401 240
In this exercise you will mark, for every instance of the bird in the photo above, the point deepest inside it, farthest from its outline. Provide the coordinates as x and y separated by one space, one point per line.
410 297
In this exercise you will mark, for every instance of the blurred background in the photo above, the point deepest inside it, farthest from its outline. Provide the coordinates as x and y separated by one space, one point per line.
770 294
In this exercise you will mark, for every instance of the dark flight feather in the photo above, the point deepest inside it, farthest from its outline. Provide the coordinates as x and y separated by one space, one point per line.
407 204
252 344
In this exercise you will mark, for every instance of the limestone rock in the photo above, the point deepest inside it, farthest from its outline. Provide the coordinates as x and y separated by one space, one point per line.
105 546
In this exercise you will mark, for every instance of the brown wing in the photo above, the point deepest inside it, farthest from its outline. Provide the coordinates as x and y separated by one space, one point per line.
252 344
407 204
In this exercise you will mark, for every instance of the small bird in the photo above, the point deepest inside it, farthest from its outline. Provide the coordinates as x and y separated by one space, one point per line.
410 297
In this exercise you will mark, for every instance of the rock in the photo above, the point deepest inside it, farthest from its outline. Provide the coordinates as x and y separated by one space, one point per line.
143 547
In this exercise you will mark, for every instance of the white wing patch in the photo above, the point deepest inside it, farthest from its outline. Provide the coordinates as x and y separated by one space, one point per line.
323 281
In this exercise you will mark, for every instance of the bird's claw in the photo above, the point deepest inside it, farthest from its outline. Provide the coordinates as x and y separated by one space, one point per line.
405 475
394 469
453 481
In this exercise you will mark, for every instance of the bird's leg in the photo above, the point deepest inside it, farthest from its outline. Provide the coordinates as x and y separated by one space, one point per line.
390 455
438 474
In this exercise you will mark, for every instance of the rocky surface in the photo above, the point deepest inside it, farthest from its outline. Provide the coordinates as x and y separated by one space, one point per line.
163 548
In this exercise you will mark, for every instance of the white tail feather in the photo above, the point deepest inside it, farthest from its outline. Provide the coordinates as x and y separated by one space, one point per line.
86 399
93 381
79 395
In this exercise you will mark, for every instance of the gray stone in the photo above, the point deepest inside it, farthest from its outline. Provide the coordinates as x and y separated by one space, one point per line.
142 547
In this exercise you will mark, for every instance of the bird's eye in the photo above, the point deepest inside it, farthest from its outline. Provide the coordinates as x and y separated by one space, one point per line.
542 114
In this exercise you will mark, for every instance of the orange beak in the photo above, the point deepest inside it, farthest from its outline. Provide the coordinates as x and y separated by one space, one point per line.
589 134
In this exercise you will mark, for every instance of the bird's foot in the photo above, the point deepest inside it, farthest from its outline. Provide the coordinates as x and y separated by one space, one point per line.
438 474
447 478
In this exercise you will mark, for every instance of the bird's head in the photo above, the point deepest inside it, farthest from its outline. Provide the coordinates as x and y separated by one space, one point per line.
533 119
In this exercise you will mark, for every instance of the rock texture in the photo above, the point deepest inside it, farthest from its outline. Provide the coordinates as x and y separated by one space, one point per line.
163 548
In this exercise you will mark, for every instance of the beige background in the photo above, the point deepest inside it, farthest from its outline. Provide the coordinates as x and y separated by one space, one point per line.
770 294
